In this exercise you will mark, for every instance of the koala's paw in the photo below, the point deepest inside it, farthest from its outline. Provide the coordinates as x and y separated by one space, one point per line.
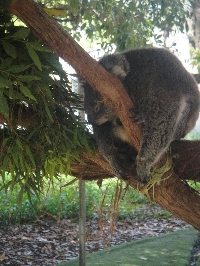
137 117
143 174
143 179
119 172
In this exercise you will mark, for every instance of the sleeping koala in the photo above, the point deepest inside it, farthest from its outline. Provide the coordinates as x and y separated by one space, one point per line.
166 100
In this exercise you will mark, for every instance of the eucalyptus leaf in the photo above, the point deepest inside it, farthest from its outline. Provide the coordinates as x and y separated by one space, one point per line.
28 78
33 55
9 49
38 46
18 142
25 90
5 83
22 33
5 63
30 155
74 6
21 161
18 68
4 109
48 111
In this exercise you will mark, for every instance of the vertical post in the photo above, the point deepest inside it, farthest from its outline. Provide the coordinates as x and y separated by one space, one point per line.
82 201
82 223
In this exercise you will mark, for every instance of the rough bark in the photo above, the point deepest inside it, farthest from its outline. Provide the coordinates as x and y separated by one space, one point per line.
186 159
172 193
184 153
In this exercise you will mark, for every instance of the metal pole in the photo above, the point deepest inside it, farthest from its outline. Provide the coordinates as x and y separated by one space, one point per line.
82 223
82 209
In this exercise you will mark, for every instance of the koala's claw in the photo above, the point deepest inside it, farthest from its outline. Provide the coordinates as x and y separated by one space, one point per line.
137 117
143 179
120 173
143 174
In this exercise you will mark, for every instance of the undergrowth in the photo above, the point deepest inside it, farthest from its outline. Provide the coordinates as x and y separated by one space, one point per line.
112 200
60 201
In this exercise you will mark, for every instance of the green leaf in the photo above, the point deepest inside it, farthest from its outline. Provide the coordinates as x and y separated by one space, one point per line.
4 109
33 55
18 68
28 78
14 94
4 142
74 6
48 111
5 162
15 158
39 47
21 161
30 155
26 92
9 49
6 63
55 12
28 168
5 83
21 33
18 142
20 196
48 139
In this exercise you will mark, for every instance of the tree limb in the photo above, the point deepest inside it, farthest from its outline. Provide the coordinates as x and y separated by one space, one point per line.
184 153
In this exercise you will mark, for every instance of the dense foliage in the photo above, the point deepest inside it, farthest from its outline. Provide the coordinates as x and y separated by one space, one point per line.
126 24
40 134
63 202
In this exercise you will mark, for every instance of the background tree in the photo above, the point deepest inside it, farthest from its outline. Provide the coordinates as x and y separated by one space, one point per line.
126 24
163 194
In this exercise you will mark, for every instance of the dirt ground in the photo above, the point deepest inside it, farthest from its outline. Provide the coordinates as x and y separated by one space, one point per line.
47 242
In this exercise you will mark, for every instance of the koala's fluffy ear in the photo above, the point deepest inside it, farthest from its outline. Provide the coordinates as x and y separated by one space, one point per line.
116 64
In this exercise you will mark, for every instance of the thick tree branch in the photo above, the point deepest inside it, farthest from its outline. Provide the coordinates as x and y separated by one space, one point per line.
172 193
184 153
186 158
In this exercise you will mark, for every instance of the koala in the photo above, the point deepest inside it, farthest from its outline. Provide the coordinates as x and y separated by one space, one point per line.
166 100
114 146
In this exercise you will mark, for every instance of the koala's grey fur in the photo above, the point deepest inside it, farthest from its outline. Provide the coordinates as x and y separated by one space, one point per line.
166 100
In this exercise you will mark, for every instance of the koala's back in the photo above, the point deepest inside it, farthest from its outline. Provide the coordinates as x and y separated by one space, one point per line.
165 95
150 69
157 83
157 69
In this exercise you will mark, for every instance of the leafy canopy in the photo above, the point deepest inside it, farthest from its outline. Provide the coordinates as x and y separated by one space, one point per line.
125 23
40 134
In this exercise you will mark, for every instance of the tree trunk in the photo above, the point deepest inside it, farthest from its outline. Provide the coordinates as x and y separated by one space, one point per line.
172 193
194 25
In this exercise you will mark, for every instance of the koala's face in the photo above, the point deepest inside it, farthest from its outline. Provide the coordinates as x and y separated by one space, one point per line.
95 108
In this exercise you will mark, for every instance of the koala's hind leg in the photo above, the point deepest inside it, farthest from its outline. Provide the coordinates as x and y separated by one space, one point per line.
154 144
159 133
157 136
